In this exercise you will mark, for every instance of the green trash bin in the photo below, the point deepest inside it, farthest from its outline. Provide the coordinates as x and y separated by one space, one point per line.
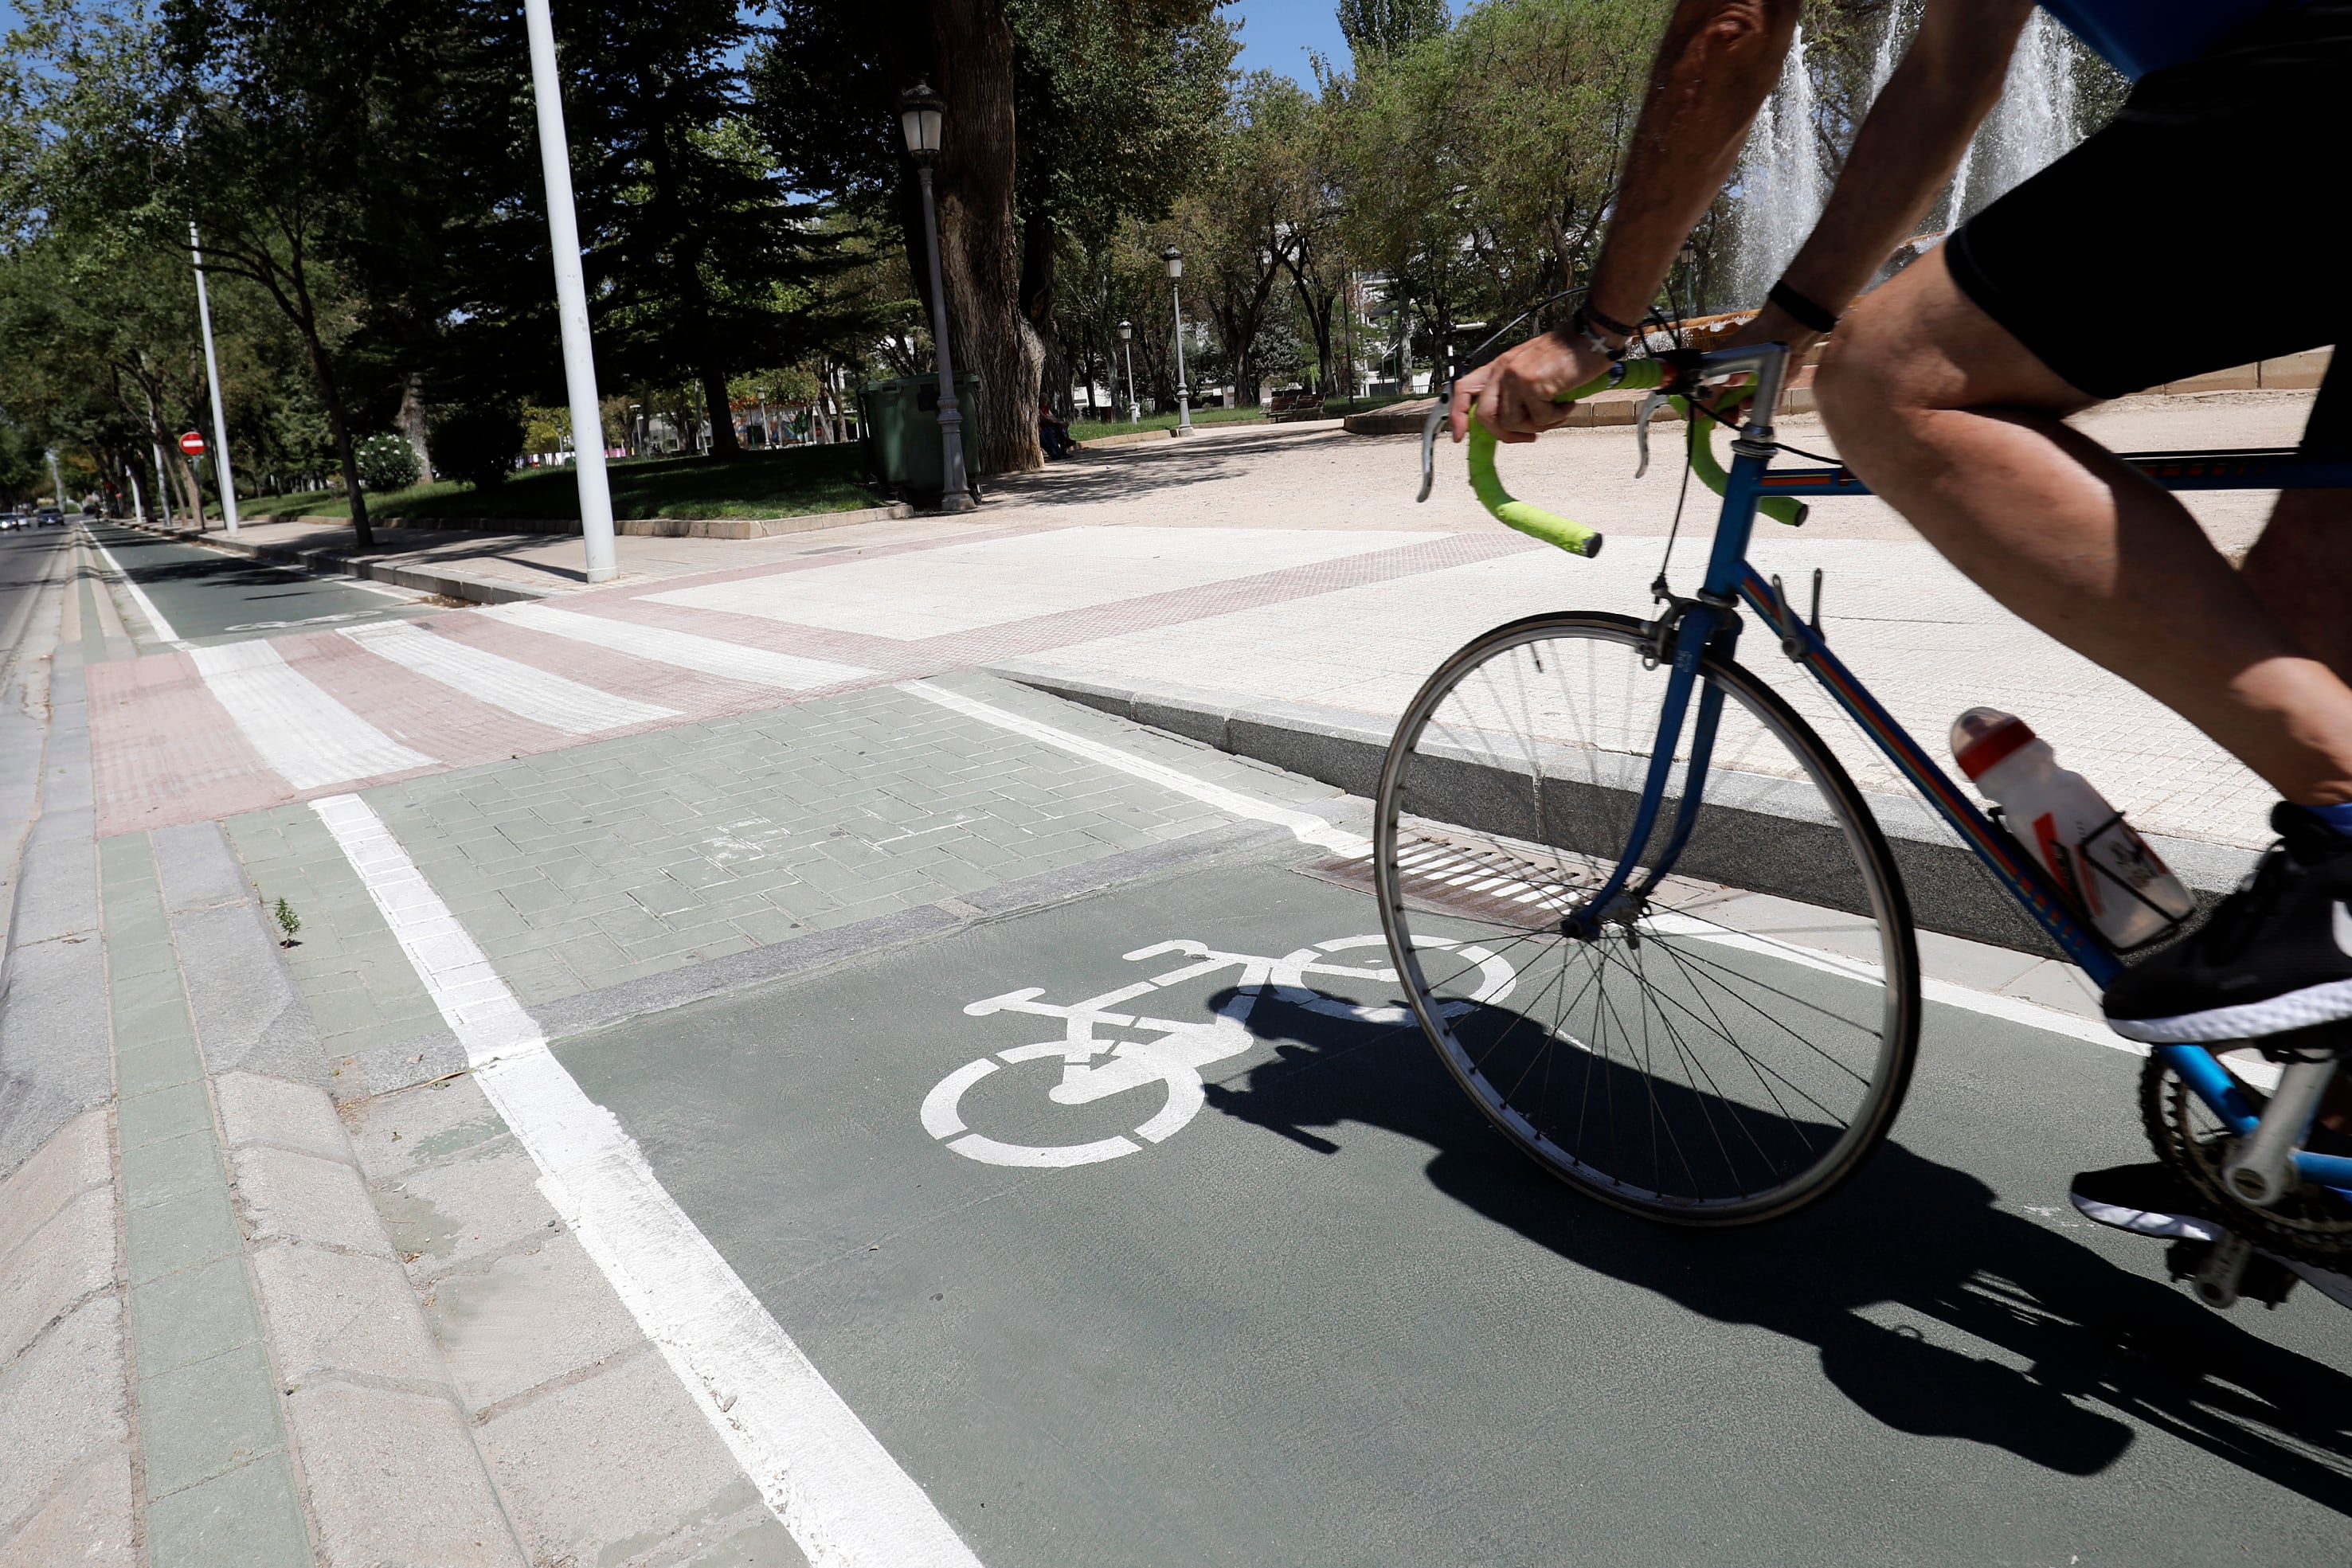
902 433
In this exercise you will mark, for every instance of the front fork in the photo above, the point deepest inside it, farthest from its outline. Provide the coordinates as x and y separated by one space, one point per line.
1686 634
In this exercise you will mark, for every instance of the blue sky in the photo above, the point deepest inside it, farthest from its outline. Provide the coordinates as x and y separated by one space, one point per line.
1276 35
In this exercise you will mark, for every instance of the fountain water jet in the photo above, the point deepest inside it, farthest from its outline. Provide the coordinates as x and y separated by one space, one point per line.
2027 131
1780 184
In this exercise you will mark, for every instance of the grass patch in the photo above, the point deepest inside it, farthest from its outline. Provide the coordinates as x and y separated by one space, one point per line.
791 483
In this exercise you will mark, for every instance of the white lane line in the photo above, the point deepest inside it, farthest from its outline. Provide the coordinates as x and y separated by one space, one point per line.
155 622
1304 826
509 683
1313 830
307 737
707 656
1991 1004
845 1500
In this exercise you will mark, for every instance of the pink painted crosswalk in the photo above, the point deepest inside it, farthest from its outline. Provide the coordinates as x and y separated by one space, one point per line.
217 730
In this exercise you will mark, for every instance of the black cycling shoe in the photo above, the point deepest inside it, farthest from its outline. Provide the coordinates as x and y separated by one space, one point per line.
2277 954
2147 1200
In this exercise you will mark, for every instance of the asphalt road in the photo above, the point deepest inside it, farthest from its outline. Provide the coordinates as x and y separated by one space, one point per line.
208 596
1332 1318
30 559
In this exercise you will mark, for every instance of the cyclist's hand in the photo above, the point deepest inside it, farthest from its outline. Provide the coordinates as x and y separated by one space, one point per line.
1770 325
1514 390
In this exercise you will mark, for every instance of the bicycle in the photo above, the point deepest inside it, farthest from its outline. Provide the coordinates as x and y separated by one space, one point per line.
1718 998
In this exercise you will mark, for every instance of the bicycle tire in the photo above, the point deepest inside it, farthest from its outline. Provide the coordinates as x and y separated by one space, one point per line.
1729 933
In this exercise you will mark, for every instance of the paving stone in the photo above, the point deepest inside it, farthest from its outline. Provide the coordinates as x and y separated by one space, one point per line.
62 1405
328 1312
192 1227
156 1065
256 1108
192 1315
207 1419
525 1319
71 1255
85 1522
300 1197
248 1518
169 1167
620 1463
395 1477
75 1159
441 1216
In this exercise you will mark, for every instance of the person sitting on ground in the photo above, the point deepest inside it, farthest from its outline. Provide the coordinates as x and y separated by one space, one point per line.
1052 430
1947 389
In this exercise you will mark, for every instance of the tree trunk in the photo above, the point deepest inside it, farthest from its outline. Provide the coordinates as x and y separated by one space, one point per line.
411 423
340 424
723 444
980 258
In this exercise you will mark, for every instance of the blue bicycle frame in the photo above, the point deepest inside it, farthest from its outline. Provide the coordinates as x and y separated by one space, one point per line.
1712 613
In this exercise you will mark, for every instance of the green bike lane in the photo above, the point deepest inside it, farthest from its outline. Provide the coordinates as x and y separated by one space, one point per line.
1330 1317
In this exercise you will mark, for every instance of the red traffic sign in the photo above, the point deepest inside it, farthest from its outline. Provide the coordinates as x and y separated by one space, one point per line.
193 444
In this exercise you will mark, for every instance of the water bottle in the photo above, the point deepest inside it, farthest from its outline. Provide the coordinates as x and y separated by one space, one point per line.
2106 871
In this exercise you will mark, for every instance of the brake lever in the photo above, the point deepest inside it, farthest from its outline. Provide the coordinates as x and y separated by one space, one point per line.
1650 406
1429 428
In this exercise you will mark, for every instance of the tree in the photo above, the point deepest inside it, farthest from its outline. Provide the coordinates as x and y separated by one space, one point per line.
826 85
1376 29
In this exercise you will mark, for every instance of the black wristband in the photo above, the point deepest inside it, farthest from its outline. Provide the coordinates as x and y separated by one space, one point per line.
1608 324
1800 309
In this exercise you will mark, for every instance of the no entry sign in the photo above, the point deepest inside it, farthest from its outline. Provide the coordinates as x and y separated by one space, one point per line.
193 444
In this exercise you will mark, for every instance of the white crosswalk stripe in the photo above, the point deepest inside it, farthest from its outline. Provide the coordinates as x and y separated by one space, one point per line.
521 690
707 656
306 736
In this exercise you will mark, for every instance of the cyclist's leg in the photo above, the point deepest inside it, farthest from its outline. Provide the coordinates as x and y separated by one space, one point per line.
2301 566
1960 427
1945 389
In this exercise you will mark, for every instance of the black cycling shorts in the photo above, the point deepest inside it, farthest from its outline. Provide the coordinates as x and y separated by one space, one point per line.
2204 227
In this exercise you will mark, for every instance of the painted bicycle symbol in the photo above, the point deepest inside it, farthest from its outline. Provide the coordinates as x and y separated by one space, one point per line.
1105 1050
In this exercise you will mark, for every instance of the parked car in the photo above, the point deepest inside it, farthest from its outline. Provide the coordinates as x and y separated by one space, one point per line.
52 517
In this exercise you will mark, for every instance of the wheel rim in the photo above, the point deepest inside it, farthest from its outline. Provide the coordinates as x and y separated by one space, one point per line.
1728 1047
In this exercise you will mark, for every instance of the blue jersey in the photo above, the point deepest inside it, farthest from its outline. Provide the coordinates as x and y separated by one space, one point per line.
2138 37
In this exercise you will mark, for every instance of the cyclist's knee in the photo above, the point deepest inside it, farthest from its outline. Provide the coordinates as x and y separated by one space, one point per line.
1860 383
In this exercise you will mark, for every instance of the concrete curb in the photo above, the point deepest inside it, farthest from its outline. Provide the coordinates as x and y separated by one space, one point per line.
1950 892
438 581
645 527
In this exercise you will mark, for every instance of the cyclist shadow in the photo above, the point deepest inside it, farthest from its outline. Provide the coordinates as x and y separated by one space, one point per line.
1907 1233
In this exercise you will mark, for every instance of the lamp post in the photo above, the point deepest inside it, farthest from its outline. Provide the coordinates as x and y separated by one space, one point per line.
1126 347
921 111
221 470
1175 260
571 301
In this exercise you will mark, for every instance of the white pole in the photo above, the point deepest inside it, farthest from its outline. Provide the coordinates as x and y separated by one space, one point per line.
221 469
138 501
571 300
162 485
57 483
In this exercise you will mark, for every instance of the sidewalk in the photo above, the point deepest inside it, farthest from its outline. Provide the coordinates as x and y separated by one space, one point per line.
1289 566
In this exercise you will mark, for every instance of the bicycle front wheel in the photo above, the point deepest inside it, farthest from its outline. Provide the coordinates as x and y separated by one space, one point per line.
1729 1039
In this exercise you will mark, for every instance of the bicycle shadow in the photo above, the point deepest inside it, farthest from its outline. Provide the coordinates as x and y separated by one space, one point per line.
2099 1343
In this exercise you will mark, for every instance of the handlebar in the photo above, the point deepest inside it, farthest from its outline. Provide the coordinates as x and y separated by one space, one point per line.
1631 375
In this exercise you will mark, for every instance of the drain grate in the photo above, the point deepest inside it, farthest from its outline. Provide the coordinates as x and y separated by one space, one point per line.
1482 881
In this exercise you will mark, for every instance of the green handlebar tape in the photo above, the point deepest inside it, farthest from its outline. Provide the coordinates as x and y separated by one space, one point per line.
1525 515
1779 508
1529 519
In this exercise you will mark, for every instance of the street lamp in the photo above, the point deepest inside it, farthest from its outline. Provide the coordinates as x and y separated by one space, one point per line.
1175 260
1126 347
921 111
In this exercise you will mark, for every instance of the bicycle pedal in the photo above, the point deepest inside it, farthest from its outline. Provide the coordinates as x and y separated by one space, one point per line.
2244 1272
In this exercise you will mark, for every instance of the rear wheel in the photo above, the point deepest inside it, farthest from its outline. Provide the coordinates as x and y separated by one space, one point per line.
1737 1037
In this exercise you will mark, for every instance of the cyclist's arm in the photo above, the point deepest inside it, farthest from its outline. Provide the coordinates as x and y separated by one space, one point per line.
1716 63
1949 81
